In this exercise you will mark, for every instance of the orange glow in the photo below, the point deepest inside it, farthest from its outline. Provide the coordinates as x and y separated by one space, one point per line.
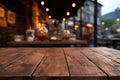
89 25
49 17
118 30
76 27
67 31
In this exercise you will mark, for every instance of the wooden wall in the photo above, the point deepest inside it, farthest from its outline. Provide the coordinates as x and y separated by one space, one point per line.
20 23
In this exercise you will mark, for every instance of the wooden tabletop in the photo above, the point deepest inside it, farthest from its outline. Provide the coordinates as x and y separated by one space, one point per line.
85 63
47 43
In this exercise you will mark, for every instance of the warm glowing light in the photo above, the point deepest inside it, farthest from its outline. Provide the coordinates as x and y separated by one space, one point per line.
42 3
102 23
64 19
76 27
68 13
118 30
53 21
67 31
117 19
39 24
106 28
70 23
49 17
89 25
47 9
73 5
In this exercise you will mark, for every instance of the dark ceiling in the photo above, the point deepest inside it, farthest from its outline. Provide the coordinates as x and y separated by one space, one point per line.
58 8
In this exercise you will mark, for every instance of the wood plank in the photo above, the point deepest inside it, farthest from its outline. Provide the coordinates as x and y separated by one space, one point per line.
81 68
110 67
6 51
3 49
23 68
13 54
53 66
109 53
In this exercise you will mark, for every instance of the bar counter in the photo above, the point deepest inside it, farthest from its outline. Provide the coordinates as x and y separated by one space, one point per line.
48 43
83 63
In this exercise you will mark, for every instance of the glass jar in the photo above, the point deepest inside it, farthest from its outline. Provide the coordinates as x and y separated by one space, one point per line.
42 36
30 34
42 33
73 37
18 38
66 35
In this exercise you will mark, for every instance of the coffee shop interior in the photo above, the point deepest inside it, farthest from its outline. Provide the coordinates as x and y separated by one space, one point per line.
52 23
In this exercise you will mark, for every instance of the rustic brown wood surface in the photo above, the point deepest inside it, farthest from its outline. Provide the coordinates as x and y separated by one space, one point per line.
59 64
10 55
53 66
80 66
101 58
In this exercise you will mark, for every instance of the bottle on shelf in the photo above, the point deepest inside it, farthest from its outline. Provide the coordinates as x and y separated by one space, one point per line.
30 34
42 33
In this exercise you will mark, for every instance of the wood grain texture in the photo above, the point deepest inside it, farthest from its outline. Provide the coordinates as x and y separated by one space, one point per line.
109 53
6 51
23 67
80 66
53 66
11 55
109 66
59 64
